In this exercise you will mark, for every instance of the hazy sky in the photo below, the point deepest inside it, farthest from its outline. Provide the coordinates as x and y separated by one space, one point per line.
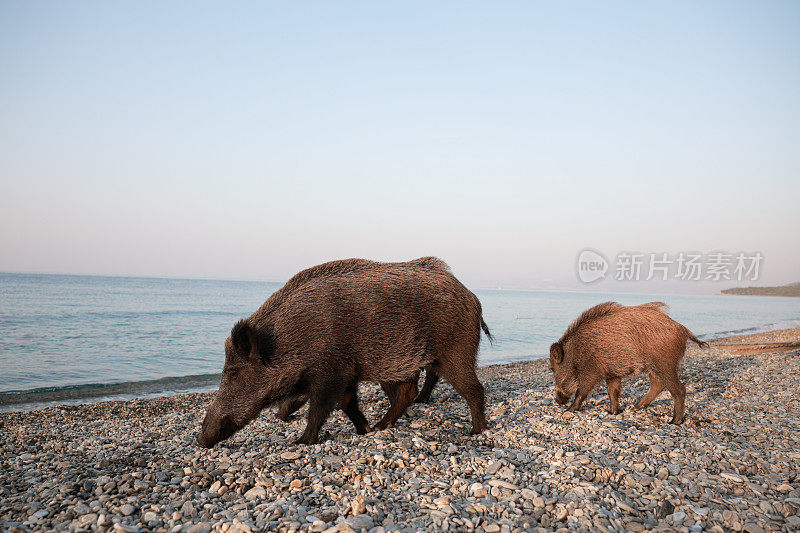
255 139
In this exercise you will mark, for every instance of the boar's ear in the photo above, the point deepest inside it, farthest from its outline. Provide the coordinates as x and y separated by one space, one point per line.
557 352
248 340
241 337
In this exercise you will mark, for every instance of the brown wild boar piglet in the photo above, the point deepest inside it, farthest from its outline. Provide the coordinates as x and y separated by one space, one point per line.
337 324
612 342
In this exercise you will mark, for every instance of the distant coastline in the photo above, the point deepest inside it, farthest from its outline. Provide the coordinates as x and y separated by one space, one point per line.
792 290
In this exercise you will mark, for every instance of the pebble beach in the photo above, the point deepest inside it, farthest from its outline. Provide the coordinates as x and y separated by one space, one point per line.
734 464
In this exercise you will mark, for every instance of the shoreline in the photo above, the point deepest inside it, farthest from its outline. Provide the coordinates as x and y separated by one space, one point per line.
160 387
133 465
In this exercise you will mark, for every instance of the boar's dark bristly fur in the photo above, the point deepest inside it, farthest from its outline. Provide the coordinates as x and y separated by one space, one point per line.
337 324
611 342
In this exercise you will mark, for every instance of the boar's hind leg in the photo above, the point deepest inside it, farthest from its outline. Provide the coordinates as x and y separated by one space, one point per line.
390 387
613 385
466 383
406 392
431 377
349 404
390 390
656 386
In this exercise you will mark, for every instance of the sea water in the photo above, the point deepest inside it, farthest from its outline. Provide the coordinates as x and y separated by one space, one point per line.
73 339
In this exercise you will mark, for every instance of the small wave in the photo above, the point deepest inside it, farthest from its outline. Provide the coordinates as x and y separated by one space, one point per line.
786 324
23 400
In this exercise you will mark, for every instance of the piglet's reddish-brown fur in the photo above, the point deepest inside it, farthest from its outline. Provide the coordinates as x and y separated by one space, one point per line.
611 342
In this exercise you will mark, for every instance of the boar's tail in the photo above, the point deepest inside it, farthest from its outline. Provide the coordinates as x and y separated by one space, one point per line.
700 343
485 329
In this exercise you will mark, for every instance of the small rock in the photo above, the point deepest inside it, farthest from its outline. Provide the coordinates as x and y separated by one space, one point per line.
202 527
291 455
493 467
357 506
256 493
127 509
318 526
360 522
502 484
731 477
665 509
627 508
187 509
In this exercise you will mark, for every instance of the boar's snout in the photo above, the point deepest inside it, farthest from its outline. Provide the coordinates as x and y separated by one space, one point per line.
216 428
561 397
203 441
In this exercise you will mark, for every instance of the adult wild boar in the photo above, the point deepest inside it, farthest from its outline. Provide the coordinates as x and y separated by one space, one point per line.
611 342
339 323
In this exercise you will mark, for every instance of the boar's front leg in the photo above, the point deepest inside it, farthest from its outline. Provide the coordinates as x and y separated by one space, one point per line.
289 407
406 392
585 387
322 399
614 385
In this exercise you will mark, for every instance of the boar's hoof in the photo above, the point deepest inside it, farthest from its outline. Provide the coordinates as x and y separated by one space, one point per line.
614 411
304 439
676 421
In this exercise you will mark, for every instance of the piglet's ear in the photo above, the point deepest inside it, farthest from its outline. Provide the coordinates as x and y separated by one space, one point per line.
557 352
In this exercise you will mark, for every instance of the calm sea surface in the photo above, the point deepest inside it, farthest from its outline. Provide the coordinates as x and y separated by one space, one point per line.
67 339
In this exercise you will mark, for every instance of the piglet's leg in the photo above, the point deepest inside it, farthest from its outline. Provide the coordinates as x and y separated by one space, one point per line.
678 392
656 386
614 385
349 404
406 392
